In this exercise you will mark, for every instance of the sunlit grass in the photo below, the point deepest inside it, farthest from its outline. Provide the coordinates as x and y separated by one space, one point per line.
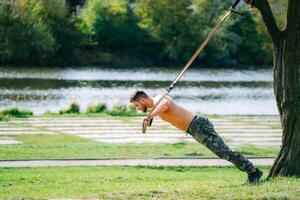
113 182
69 146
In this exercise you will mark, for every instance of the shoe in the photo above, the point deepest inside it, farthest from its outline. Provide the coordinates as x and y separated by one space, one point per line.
254 176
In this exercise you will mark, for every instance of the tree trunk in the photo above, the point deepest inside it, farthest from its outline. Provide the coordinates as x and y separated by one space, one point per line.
287 92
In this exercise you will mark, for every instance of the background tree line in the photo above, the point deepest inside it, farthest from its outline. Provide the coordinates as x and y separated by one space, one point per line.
130 32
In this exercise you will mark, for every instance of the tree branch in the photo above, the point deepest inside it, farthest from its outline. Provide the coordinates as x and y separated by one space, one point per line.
265 10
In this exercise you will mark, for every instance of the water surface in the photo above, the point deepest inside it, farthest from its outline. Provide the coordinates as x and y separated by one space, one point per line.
207 91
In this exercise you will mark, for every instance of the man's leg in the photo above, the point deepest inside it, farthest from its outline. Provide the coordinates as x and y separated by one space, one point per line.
207 135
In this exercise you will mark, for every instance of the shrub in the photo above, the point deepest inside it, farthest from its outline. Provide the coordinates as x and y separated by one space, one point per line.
131 109
118 110
20 23
2 117
97 108
73 108
103 20
15 112
123 110
49 113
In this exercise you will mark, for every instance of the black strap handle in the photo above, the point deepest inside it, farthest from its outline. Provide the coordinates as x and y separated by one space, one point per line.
235 4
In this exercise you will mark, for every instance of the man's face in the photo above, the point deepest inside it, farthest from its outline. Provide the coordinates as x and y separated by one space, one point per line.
140 105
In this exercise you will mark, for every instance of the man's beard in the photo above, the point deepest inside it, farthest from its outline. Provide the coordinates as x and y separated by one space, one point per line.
145 109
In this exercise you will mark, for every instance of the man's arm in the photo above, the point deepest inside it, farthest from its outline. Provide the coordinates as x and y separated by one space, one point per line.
162 107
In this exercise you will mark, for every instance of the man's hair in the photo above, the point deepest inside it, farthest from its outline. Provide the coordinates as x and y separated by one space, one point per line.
137 95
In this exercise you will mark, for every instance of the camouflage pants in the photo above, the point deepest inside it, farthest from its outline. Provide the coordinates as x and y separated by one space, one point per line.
203 132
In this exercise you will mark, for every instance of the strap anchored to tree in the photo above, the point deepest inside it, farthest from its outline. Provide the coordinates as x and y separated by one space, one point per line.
192 59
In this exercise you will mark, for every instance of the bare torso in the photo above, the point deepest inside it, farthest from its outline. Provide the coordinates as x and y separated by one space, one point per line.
176 115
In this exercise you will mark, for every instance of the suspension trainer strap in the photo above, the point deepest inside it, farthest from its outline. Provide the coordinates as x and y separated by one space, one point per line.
198 51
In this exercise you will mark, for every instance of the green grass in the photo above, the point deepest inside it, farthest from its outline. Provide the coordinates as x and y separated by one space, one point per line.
258 151
140 183
276 126
68 146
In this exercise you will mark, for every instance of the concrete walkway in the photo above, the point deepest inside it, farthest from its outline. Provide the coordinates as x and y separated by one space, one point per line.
201 162
235 130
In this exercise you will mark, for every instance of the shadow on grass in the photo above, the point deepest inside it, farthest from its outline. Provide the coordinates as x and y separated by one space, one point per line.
258 183
194 154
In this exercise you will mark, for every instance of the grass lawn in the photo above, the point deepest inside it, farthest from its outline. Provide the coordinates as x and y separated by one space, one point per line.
140 183
69 146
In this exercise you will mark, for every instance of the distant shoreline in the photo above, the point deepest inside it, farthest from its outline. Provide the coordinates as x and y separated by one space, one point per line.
170 66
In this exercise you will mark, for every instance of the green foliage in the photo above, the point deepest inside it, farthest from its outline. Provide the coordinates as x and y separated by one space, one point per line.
63 27
120 31
180 26
100 108
15 112
279 8
122 110
169 23
2 117
249 49
73 108
97 108
34 31
23 37
73 3
113 26
206 15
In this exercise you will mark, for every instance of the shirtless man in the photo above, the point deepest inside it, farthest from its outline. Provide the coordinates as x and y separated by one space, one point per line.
199 127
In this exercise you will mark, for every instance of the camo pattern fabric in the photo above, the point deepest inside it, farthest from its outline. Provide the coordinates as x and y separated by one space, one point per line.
202 130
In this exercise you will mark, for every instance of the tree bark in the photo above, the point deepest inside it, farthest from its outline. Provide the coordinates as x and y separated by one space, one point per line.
286 77
287 93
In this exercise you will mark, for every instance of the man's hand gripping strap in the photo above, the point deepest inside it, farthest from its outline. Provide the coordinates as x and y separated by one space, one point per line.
146 122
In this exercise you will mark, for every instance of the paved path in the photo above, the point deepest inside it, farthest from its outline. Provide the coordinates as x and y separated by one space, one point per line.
132 162
235 130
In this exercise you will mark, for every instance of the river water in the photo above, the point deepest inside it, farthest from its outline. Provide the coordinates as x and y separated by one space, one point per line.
206 91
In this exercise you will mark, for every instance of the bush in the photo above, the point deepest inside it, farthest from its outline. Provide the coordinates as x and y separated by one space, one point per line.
73 108
122 110
2 117
170 24
49 113
50 33
18 24
15 112
113 26
131 109
118 110
97 108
